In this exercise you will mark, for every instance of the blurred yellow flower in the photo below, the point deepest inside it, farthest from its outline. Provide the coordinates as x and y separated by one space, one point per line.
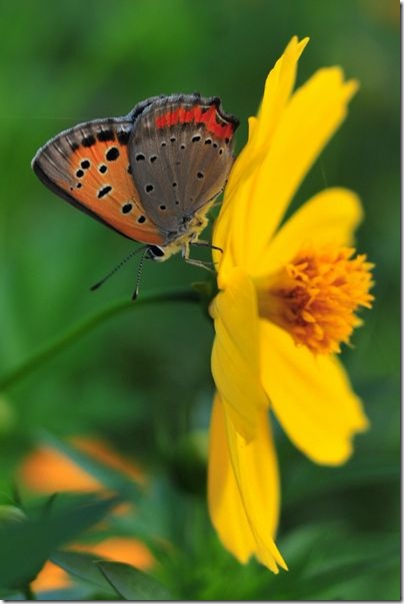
288 296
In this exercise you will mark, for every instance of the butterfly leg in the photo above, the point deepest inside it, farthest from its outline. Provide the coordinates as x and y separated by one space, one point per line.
216 204
200 263
201 243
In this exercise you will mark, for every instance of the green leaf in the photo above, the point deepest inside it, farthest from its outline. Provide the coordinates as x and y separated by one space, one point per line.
82 565
25 546
133 584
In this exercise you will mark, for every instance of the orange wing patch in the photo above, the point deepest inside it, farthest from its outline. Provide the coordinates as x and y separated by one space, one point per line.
103 184
89 166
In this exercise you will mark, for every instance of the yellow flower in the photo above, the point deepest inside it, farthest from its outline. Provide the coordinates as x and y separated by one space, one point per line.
288 296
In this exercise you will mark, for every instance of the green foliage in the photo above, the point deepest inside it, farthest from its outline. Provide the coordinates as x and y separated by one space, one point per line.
141 380
84 566
27 544
132 584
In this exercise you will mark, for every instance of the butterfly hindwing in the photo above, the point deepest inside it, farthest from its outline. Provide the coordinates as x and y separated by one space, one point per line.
89 166
180 151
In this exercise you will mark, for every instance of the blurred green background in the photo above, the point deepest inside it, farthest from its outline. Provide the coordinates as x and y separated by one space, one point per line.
141 381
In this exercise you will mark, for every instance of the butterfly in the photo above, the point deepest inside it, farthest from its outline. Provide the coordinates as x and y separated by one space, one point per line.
151 175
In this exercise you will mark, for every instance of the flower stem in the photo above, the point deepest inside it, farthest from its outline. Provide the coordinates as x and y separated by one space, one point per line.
28 593
76 332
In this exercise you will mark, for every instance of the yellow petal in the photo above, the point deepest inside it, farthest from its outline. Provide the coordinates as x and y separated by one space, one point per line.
278 87
225 505
330 217
243 490
307 123
235 354
311 396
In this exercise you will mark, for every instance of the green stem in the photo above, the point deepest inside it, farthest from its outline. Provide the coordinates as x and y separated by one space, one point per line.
75 333
28 593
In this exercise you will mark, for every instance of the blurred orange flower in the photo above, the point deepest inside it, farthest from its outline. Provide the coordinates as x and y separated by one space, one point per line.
47 470
119 549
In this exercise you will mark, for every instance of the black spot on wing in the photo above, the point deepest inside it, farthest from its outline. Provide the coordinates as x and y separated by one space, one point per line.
123 137
127 207
112 154
88 141
104 191
106 135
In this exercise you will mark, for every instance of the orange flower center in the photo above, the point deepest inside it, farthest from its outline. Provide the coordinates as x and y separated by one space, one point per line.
316 296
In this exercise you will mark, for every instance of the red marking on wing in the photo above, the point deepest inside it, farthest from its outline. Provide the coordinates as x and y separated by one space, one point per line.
196 115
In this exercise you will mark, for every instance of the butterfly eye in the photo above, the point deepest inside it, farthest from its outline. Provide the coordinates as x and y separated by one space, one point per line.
154 252
140 157
200 174
85 164
196 138
102 168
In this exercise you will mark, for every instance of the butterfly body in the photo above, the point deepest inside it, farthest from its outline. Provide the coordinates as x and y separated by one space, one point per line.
151 175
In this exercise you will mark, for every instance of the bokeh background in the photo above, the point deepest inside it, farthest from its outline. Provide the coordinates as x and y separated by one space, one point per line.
141 380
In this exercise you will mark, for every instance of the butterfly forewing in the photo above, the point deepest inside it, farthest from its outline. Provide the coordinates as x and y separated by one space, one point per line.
180 152
89 166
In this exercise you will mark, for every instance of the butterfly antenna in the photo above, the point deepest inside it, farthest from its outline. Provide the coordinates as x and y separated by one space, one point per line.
117 267
139 274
